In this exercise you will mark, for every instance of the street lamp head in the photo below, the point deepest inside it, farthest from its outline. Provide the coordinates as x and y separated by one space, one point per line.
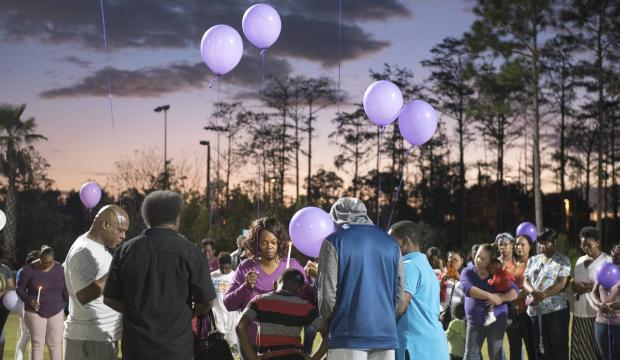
163 107
204 142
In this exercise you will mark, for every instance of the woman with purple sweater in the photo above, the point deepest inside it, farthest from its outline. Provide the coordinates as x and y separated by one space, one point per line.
257 274
41 286
479 294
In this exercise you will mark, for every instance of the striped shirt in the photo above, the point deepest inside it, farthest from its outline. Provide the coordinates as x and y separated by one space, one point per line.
281 317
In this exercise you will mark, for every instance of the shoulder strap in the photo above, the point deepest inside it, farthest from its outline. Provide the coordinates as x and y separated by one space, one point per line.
451 294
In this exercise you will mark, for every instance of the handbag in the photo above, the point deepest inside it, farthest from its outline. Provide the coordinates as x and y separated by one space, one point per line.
446 315
210 344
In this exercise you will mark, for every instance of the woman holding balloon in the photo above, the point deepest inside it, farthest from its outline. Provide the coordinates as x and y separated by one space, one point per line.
267 246
583 339
606 299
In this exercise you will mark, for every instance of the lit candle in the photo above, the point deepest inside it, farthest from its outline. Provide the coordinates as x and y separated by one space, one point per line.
39 294
288 258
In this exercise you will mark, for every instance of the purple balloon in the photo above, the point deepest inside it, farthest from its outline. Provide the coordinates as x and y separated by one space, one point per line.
383 102
261 25
90 194
417 122
308 228
608 275
528 229
221 48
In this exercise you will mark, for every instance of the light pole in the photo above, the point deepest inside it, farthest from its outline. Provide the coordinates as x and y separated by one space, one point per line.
165 108
208 189
218 129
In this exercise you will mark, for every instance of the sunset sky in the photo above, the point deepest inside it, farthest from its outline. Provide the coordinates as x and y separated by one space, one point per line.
52 57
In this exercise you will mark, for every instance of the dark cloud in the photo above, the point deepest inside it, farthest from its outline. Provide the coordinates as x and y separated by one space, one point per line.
309 26
155 81
77 61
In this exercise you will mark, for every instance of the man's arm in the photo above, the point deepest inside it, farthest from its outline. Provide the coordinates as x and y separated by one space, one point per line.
328 282
201 309
404 304
244 338
117 305
92 291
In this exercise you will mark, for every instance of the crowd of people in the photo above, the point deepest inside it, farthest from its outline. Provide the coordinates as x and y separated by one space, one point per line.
370 294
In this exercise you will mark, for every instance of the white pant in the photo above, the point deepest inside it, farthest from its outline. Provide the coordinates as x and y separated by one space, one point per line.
24 338
353 354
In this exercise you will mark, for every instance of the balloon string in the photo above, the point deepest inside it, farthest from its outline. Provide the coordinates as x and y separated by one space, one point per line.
261 132
609 338
217 115
213 81
380 130
105 44
400 185
339 53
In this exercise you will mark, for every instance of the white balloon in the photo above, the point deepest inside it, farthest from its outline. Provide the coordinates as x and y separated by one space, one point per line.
2 219
261 25
221 48
12 302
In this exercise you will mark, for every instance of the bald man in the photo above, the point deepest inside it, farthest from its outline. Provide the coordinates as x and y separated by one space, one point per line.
92 329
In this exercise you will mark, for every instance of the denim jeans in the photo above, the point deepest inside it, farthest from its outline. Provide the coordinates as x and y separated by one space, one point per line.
494 334
602 340
520 331
309 335
554 335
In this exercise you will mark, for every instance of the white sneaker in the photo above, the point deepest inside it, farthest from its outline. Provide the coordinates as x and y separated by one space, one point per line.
490 319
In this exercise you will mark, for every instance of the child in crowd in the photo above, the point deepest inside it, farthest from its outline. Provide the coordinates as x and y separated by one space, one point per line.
501 282
225 320
282 314
456 333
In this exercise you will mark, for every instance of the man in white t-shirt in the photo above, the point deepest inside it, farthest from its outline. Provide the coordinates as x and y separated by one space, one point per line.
92 329
225 320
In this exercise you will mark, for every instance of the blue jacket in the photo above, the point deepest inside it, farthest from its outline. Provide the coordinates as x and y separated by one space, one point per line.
358 286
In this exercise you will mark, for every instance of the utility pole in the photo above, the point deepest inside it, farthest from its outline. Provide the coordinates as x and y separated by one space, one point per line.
165 108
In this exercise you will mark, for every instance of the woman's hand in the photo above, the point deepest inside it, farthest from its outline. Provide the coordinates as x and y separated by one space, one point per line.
311 269
33 304
493 299
250 278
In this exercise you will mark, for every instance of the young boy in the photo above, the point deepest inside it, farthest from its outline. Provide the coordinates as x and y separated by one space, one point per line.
281 315
501 282
456 333
226 320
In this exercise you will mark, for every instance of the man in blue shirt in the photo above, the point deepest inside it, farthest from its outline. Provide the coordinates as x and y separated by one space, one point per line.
420 333
361 262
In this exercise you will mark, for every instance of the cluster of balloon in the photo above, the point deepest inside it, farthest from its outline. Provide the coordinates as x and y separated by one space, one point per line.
90 194
221 46
529 230
308 228
383 103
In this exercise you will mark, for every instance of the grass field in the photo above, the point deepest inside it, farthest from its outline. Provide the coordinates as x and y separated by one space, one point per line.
12 333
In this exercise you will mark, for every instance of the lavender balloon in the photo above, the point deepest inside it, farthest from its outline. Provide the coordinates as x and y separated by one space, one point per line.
528 229
608 275
11 301
221 48
383 102
261 25
308 228
417 122
90 194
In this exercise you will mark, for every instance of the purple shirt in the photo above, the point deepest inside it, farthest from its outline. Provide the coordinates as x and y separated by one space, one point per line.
240 294
53 290
476 309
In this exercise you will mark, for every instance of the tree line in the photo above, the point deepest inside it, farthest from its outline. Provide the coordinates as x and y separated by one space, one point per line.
538 78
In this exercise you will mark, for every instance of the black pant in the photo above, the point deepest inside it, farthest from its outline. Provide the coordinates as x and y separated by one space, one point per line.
520 330
554 335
